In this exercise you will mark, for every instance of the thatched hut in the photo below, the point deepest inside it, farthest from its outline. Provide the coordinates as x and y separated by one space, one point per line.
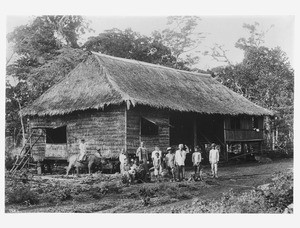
116 103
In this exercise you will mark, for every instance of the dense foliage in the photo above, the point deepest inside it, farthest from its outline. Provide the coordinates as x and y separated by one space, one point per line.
46 50
130 45
265 77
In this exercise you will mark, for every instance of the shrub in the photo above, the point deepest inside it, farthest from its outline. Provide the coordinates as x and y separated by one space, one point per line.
9 161
279 193
21 194
272 198
110 187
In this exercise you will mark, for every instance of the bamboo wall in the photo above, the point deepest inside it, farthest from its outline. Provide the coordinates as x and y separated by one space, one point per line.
99 128
134 136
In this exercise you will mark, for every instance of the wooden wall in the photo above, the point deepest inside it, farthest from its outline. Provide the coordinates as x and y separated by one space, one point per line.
39 138
246 131
245 122
134 137
99 128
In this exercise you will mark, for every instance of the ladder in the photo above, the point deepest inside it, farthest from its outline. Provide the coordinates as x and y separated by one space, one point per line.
25 154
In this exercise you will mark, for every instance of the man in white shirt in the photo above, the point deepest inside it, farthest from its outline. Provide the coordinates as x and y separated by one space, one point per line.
82 151
180 156
214 159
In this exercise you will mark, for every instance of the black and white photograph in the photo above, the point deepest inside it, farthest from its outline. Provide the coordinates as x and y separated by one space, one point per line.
176 113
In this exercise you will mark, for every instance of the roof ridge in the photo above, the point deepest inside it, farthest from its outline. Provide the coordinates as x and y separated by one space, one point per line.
114 85
148 64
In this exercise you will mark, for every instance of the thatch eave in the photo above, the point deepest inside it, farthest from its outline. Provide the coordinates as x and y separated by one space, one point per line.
104 80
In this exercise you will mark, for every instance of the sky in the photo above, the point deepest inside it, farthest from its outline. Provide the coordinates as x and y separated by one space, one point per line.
223 30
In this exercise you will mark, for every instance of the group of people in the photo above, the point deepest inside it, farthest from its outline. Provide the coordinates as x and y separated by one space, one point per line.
172 163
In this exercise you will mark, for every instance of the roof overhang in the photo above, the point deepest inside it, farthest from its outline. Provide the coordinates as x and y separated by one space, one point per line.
158 121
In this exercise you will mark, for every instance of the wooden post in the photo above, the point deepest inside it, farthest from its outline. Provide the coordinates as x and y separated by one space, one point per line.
260 148
125 142
195 132
169 117
243 149
225 143
39 168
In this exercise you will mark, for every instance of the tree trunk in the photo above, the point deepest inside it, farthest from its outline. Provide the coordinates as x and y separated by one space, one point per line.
276 135
22 124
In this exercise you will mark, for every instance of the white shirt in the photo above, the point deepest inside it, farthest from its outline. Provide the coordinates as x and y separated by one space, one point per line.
180 156
170 160
156 162
196 158
82 148
213 156
122 158
154 152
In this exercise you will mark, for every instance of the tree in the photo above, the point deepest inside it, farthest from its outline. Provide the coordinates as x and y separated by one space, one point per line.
255 39
182 38
265 77
131 45
16 96
47 50
47 34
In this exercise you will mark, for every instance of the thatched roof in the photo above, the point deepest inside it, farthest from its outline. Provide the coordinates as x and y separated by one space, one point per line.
104 80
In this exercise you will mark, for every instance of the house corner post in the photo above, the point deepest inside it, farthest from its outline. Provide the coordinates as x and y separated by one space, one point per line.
195 131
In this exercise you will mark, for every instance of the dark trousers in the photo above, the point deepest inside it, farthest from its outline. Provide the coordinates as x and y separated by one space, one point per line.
180 172
197 169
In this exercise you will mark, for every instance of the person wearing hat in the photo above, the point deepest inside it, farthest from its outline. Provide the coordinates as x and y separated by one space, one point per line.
170 162
214 159
196 159
82 151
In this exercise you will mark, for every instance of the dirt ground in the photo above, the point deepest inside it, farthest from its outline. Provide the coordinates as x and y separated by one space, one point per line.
160 197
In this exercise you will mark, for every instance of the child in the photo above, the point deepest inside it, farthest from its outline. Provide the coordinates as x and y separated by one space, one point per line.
135 164
156 150
132 171
214 159
156 165
196 159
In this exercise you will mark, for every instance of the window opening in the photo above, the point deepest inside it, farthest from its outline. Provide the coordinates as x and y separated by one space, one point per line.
148 128
56 135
